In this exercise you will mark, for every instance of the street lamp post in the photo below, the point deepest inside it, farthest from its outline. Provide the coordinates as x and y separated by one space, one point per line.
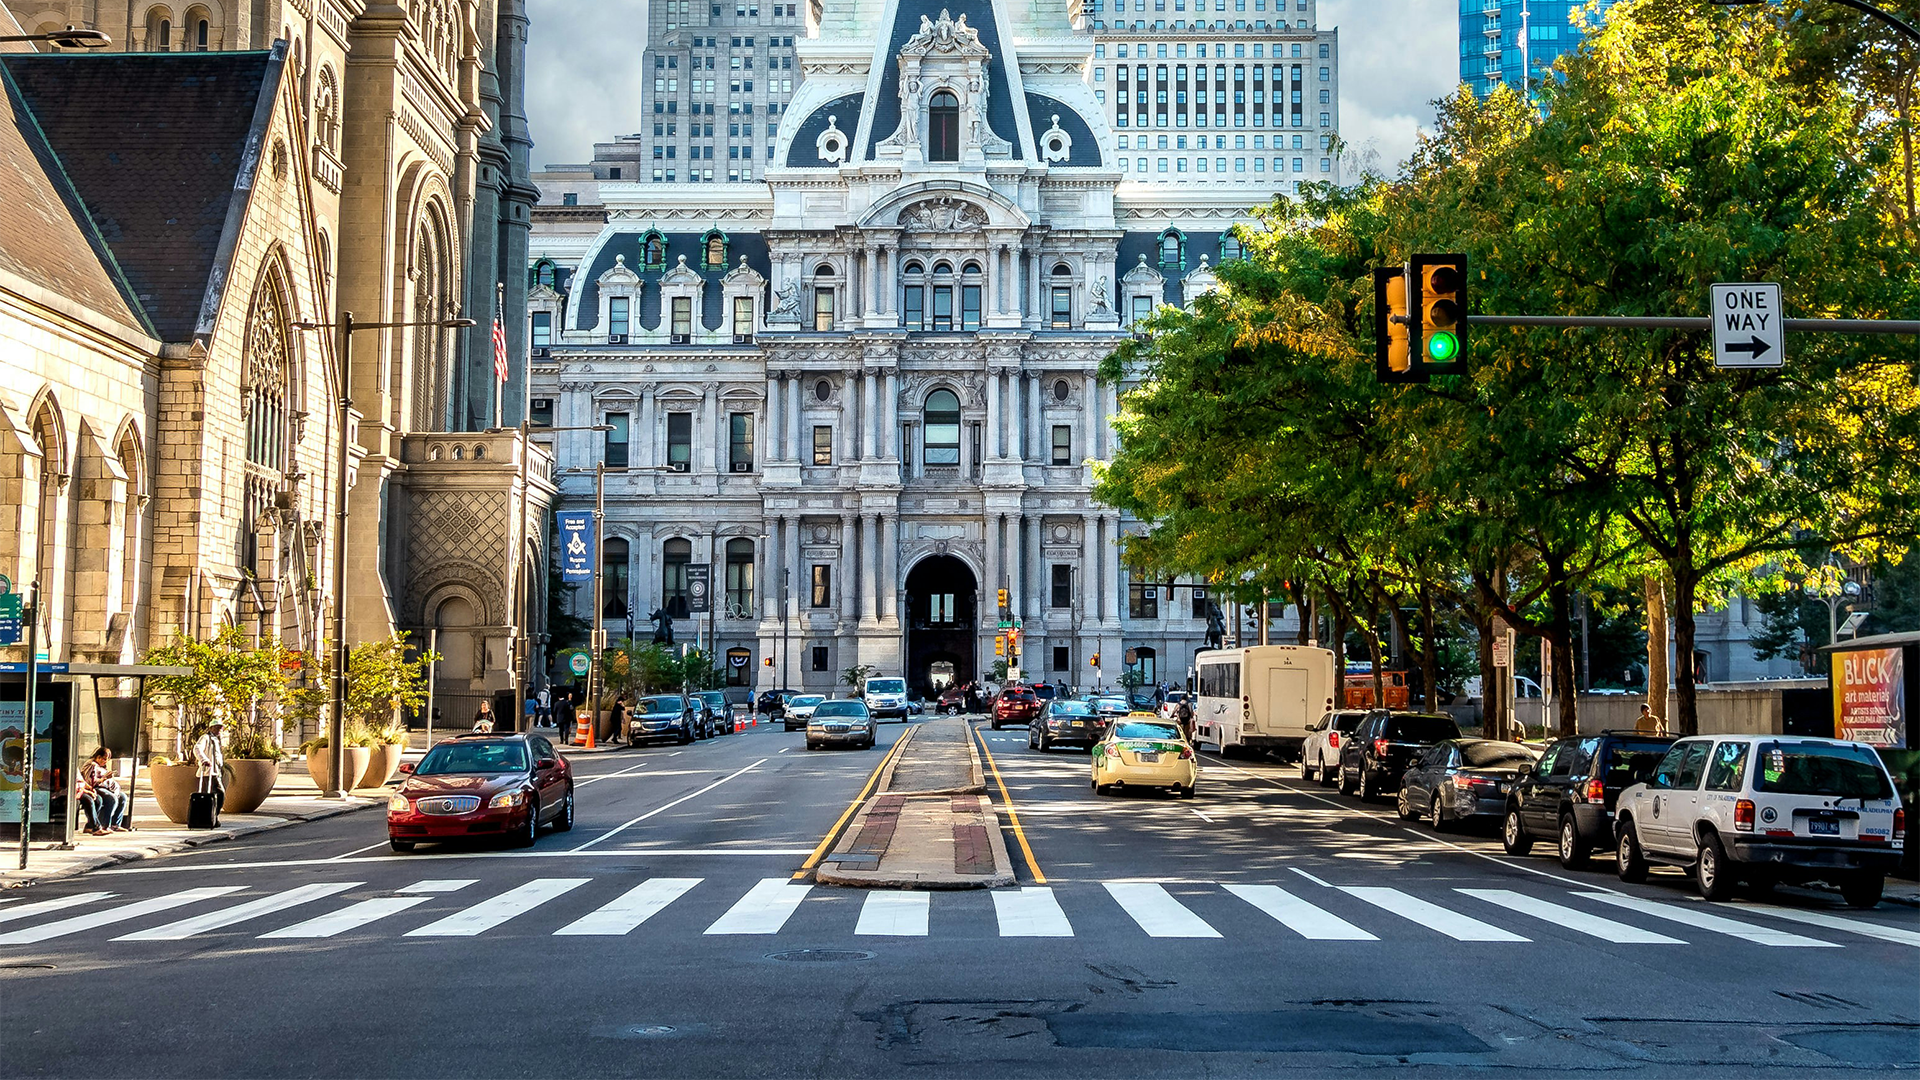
337 714
522 644
71 38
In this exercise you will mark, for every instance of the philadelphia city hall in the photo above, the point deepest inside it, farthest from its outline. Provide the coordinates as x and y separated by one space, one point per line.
859 391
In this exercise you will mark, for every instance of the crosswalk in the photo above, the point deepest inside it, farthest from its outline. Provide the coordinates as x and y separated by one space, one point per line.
1307 911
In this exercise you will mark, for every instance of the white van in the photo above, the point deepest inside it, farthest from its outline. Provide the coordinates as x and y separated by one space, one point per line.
1261 698
886 695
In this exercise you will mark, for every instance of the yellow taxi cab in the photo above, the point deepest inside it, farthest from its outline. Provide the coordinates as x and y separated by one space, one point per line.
1141 750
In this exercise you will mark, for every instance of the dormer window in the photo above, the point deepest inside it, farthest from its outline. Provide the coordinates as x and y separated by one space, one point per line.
545 273
653 251
1230 247
943 127
1173 250
713 250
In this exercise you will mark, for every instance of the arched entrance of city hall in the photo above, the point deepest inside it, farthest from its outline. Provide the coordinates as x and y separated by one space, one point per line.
941 646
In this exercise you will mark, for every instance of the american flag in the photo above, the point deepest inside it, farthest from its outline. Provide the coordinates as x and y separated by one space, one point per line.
499 351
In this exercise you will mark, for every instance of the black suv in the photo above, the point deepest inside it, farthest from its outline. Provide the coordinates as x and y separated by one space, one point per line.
773 703
1373 758
1569 793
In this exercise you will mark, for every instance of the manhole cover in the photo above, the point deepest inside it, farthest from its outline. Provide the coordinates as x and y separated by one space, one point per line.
820 956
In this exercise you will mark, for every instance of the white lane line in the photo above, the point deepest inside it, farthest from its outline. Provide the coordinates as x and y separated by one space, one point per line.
488 914
1835 922
351 917
1031 912
439 885
676 753
895 914
1432 916
1759 935
784 749
358 850
662 809
445 856
764 910
41 907
611 775
1309 877
633 907
1157 912
1570 918
77 923
266 905
1299 916
1202 817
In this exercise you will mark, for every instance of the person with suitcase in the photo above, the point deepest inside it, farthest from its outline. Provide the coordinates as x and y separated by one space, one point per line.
210 785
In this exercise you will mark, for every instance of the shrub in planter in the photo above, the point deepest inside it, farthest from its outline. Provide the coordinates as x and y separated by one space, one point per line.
320 763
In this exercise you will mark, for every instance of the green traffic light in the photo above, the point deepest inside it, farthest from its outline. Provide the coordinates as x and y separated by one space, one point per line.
1443 346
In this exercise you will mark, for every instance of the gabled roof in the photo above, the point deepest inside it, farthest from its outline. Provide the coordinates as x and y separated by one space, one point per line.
161 149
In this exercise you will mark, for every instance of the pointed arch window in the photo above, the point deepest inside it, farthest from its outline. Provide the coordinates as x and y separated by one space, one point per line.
653 251
713 250
267 368
941 446
943 127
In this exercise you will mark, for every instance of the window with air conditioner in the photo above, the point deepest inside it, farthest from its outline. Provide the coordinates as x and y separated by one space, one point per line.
617 319
540 412
822 444
740 442
680 441
682 319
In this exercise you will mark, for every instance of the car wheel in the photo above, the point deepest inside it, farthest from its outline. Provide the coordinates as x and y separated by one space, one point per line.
1030 743
1368 787
1633 862
1710 870
1347 786
996 725
564 822
1513 834
1403 806
1329 774
1046 745
401 846
1573 850
1305 773
1185 790
1437 814
526 836
686 734
811 745
1863 890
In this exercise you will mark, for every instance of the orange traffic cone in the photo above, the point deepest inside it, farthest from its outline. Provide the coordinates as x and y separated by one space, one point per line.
583 730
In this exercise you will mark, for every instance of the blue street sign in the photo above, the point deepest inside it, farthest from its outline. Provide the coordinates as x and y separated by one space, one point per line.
45 669
577 547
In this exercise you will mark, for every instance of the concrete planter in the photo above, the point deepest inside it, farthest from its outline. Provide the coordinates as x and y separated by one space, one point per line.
383 761
320 767
172 785
249 782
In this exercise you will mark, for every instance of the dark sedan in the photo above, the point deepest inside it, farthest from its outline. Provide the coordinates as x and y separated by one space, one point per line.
1461 780
1065 723
667 716
482 785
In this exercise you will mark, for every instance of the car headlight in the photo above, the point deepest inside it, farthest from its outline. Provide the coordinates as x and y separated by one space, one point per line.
399 804
506 799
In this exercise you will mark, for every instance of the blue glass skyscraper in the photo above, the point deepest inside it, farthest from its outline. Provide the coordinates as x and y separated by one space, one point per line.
1499 37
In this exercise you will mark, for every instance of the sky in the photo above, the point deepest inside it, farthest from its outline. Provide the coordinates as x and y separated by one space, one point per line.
583 72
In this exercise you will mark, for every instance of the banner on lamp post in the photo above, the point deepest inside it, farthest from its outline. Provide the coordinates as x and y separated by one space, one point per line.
577 547
699 588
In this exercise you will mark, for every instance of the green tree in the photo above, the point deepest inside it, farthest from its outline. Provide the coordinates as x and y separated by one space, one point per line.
234 680
856 677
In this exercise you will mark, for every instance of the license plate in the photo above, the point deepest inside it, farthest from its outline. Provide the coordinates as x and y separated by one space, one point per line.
1149 759
1823 826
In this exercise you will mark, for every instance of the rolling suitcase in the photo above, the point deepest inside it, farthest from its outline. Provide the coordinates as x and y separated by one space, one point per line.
203 806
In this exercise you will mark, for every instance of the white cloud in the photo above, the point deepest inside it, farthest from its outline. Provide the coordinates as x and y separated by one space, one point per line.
1396 57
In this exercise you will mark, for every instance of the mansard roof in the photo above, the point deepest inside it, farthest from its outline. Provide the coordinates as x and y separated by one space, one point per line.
980 18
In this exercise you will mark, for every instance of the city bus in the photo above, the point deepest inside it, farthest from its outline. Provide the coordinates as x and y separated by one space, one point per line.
1261 698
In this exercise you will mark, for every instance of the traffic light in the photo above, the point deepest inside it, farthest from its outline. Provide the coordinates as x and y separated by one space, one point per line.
1393 356
1013 641
1439 331
1003 599
1000 645
1094 660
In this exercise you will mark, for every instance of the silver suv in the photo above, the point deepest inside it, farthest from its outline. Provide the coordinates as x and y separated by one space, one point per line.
1765 809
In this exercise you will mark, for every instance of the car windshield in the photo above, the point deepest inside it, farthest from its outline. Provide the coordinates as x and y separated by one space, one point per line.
653 705
1494 755
1112 703
473 756
839 708
886 686
1346 722
1632 760
808 699
1072 708
1146 731
1849 772
1418 727
1020 694
714 697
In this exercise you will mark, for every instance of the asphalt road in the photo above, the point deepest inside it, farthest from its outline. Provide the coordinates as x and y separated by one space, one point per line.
1267 927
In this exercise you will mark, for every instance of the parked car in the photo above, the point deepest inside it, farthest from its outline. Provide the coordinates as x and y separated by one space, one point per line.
665 716
1570 793
1384 745
719 712
773 703
1320 751
886 696
1014 705
1140 752
477 785
840 722
1110 706
954 699
1460 780
1064 723
1765 809
916 706
800 710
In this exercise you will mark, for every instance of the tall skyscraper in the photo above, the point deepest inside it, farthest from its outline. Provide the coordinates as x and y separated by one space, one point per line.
1208 96
1501 38
717 77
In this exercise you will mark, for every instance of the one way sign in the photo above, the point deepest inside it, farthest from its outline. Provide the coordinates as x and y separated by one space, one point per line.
1748 328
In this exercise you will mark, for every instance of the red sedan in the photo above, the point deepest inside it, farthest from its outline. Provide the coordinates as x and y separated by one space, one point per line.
1015 705
482 785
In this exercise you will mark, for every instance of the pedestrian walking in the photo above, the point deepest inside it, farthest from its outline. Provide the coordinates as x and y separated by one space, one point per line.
544 702
1649 723
1184 714
210 759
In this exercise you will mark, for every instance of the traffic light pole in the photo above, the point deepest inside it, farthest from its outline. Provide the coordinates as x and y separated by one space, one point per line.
1663 322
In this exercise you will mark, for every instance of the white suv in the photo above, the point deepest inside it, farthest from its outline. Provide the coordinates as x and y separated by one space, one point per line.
1765 809
1320 752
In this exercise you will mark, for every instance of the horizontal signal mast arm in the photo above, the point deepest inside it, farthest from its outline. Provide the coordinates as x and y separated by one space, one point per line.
1661 322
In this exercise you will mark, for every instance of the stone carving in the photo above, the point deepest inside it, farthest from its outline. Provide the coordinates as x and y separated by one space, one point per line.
1097 293
786 304
943 214
1055 144
832 143
946 36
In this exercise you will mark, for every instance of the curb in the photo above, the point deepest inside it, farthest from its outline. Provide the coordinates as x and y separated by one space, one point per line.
976 775
211 836
829 871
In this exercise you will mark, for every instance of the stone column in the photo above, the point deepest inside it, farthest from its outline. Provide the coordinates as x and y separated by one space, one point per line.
889 567
1040 446
1017 564
795 571
991 567
1112 556
869 568
870 278
849 571
771 425
869 397
793 399
1089 583
992 448
768 579
642 441
1090 423
890 413
1037 569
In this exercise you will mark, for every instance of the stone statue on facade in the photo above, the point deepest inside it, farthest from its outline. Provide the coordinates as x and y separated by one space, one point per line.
662 626
786 303
1216 626
1098 294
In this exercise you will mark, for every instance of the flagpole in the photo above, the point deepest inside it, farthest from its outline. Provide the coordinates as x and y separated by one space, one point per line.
499 369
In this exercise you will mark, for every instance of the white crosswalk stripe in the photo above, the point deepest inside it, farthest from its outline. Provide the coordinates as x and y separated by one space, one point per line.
1569 918
1835 922
1157 912
1299 916
351 917
214 920
635 906
895 914
764 910
41 907
1432 916
1759 935
1031 912
94 920
439 885
488 914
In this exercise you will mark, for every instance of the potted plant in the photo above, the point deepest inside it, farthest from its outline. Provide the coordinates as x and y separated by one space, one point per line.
172 783
385 746
241 681
383 682
320 763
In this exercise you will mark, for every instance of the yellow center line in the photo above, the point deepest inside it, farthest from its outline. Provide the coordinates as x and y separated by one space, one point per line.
1018 833
827 840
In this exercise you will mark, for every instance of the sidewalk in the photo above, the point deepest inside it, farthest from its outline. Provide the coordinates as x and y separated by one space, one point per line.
929 826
